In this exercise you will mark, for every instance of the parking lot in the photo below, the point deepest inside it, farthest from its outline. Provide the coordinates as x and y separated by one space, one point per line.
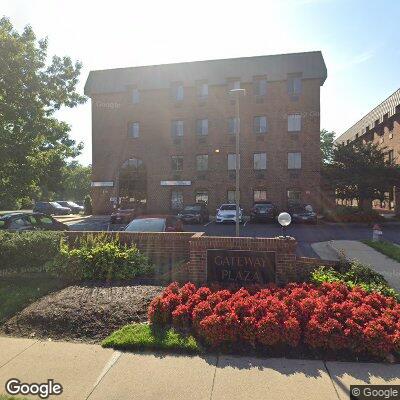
305 234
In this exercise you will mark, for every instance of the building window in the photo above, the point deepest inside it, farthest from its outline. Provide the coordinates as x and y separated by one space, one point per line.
233 125
135 96
176 199
201 196
231 196
294 160
260 124
294 122
259 195
132 164
202 126
260 86
294 196
260 161
177 91
134 130
177 163
233 84
177 129
294 84
232 162
202 162
202 90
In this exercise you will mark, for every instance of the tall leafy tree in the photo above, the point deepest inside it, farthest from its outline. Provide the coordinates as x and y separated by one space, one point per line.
363 171
75 183
34 145
327 146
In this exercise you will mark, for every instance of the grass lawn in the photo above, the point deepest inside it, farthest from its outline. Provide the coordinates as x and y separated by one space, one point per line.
143 337
18 292
387 248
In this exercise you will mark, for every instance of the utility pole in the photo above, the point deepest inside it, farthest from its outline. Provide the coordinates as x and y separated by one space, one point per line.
237 93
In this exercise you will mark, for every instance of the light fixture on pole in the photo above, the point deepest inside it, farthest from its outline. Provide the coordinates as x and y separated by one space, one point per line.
284 219
237 93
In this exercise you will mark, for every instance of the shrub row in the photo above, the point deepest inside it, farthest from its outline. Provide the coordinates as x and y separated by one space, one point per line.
99 257
352 214
28 250
91 257
328 317
353 273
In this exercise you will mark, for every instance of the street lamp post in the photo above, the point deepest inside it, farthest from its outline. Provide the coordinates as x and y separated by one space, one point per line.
284 219
237 93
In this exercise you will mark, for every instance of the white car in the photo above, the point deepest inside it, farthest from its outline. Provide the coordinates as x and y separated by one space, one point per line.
227 213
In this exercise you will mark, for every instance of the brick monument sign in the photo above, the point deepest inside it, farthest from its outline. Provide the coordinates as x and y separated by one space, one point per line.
192 256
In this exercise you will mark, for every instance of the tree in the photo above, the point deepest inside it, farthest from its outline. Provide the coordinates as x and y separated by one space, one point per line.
327 145
361 170
34 145
76 180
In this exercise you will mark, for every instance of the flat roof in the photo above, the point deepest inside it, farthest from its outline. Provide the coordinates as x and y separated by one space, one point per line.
388 106
275 67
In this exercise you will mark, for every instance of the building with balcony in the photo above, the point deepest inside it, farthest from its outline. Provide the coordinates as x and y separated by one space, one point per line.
381 125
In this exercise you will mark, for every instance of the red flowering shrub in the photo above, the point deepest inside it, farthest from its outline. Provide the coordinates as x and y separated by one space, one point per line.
328 317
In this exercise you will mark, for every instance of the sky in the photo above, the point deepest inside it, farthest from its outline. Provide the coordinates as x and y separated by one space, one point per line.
358 39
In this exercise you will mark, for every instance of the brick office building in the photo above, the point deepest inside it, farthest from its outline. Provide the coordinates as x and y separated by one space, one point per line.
164 135
381 125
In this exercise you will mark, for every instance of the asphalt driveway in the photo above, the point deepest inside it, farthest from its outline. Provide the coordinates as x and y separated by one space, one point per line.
305 234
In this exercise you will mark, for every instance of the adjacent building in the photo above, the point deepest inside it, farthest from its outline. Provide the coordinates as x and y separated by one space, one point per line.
381 125
164 135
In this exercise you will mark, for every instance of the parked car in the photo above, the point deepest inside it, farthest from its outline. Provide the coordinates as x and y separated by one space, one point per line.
169 223
303 213
227 213
197 213
51 207
75 208
123 216
263 211
18 222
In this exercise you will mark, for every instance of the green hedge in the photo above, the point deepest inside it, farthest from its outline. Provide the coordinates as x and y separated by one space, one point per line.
99 257
28 251
353 273
352 214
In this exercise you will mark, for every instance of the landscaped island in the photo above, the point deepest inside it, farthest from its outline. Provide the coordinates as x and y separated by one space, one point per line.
343 311
330 319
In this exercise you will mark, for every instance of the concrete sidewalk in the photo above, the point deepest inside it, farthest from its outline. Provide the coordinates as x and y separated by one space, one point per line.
90 372
354 250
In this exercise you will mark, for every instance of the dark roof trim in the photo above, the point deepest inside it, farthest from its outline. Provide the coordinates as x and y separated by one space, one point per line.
275 67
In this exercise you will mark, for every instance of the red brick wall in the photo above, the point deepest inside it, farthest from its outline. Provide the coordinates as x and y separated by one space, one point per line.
164 249
184 255
112 113
305 265
285 254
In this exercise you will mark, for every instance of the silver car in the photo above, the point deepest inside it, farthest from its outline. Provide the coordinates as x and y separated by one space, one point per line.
227 213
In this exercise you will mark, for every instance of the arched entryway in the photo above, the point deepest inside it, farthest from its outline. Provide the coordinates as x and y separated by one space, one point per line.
132 183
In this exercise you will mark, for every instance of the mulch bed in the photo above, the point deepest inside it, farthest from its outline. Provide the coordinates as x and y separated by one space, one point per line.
85 312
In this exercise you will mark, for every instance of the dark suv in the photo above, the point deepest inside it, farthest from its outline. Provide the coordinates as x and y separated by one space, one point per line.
263 211
303 213
51 207
197 213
